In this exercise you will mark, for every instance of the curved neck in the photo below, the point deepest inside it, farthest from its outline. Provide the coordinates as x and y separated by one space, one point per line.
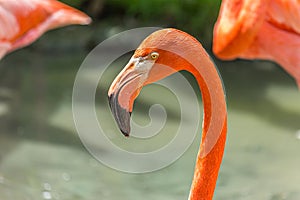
183 52
214 128
188 54
195 60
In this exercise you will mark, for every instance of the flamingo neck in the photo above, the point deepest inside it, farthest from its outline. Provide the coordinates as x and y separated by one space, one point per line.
213 129
181 51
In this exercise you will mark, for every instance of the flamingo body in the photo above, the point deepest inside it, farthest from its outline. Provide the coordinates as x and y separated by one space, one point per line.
162 53
260 29
23 21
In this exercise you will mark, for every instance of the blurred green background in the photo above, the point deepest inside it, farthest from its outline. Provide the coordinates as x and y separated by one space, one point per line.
42 157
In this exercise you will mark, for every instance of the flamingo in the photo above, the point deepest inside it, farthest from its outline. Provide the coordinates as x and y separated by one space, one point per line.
260 29
179 51
23 21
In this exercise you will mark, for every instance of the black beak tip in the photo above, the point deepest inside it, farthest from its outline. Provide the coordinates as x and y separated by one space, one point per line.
126 134
121 115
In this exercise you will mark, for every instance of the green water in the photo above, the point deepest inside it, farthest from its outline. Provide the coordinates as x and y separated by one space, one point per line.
42 157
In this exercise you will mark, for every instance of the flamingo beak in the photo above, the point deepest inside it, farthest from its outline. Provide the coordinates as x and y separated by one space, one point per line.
121 115
125 88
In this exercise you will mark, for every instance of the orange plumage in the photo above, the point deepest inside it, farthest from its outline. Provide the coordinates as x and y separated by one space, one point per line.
260 29
23 21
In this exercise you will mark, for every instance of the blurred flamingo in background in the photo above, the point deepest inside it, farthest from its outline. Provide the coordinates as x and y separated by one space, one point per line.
23 21
260 29
178 51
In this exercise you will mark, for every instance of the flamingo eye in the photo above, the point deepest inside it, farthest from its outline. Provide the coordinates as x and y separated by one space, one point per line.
154 55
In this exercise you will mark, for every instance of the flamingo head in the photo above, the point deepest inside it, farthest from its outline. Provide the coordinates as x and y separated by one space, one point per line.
126 87
150 62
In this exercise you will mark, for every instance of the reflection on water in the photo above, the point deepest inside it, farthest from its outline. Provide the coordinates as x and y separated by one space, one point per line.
41 156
